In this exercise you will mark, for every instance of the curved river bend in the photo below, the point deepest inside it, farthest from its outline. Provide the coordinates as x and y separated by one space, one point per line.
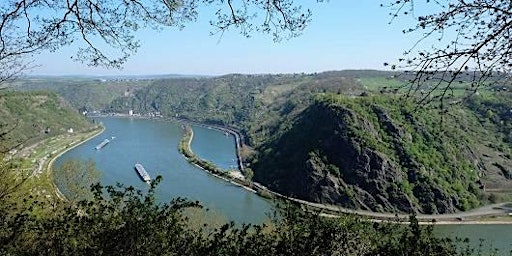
154 143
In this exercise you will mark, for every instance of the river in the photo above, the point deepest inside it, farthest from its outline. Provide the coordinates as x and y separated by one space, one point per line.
491 236
154 143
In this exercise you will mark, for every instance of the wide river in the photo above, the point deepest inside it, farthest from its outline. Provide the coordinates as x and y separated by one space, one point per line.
154 143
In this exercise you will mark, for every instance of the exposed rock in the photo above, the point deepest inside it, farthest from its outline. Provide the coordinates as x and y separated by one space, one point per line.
504 171
367 179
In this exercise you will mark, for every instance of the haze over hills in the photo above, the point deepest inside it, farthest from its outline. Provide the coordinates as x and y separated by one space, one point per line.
342 137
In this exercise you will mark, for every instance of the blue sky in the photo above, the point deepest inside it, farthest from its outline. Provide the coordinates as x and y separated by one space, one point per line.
342 35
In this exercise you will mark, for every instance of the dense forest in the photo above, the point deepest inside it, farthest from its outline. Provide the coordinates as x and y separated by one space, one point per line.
123 221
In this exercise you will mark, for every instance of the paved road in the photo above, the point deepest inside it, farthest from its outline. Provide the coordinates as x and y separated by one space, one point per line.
488 210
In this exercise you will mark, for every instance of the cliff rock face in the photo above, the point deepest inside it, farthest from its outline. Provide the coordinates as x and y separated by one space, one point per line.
333 154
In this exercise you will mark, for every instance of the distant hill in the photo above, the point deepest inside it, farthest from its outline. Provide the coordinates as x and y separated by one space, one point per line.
92 93
339 137
253 104
26 117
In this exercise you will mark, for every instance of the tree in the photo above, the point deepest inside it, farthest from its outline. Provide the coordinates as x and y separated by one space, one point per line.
121 220
76 177
104 29
470 43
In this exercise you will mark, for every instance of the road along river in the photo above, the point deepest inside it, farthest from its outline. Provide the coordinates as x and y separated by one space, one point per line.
154 143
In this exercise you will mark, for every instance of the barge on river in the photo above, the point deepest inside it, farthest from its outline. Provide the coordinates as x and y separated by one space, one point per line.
102 144
142 173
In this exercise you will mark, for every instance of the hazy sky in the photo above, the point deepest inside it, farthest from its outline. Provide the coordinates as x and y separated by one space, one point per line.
342 35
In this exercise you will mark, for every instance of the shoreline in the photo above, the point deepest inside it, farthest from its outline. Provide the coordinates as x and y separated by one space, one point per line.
49 169
227 178
469 217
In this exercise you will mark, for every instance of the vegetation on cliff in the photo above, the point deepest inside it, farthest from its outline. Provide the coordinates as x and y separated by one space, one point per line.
377 153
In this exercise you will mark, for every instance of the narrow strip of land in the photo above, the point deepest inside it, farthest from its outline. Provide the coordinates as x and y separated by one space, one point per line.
471 217
40 156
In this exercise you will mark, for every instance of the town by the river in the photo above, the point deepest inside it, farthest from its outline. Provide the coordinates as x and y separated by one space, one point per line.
154 143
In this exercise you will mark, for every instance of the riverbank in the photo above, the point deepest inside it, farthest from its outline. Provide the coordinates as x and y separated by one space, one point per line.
184 147
39 158
482 215
49 169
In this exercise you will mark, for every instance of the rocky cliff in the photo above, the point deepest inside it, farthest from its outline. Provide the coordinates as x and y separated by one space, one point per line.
379 156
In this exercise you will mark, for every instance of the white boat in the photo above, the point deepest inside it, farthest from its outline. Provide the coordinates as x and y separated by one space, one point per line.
142 173
102 144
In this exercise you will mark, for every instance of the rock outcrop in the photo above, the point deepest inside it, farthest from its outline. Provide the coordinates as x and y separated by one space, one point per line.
335 155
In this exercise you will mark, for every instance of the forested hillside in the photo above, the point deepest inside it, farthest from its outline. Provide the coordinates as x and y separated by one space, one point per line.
382 154
253 104
26 117
349 138
81 92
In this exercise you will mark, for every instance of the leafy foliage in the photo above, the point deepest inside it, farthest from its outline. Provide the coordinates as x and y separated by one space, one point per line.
105 29
125 221
76 177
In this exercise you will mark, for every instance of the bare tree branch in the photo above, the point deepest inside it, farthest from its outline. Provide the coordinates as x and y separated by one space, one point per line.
469 41
104 29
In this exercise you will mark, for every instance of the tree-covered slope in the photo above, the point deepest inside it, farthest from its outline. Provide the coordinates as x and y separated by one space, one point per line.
81 92
254 104
380 154
26 117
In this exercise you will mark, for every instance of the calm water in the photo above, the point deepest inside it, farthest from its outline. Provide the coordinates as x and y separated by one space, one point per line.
154 144
495 236
216 147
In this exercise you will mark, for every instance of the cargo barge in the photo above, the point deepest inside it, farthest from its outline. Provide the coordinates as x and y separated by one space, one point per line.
102 144
142 173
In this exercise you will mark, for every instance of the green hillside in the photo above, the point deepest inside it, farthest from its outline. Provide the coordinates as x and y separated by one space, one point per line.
254 104
26 117
380 153
340 138
81 92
